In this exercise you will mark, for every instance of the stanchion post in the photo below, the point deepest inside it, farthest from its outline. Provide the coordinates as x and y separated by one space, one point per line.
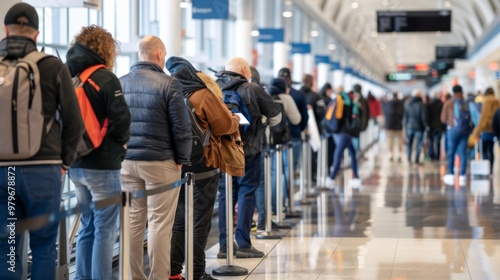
189 224
303 174
310 190
291 182
229 269
62 260
319 165
269 233
279 188
323 166
125 236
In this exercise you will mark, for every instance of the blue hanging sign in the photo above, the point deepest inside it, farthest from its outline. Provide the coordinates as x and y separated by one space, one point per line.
335 65
321 59
300 48
210 9
271 35
348 70
497 75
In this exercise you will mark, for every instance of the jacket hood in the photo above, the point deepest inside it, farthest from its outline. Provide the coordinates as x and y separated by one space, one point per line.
16 46
184 71
81 57
416 100
228 80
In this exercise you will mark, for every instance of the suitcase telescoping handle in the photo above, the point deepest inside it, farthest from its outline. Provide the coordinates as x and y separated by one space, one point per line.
478 149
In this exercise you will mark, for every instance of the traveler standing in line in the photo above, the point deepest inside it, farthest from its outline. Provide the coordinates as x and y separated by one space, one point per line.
459 127
237 77
212 114
415 122
97 175
280 93
327 93
483 131
160 145
436 127
317 104
393 113
365 118
37 178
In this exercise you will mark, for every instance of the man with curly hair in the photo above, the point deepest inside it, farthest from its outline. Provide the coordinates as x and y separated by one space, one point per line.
97 175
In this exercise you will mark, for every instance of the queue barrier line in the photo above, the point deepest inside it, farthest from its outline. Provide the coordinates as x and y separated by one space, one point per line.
124 200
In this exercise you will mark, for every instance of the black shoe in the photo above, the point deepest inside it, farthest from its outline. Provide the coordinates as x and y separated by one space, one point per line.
249 253
207 277
223 251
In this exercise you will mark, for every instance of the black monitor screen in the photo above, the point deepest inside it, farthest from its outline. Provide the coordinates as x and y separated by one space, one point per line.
413 21
451 52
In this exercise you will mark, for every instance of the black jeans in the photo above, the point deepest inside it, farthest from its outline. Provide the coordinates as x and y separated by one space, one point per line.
434 137
488 152
204 194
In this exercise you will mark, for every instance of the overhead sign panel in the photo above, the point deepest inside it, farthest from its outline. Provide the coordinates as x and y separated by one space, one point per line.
451 52
413 21
210 9
399 77
321 59
93 4
271 35
303 48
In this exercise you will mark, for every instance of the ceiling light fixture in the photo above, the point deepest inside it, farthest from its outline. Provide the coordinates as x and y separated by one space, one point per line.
438 33
374 34
314 33
447 4
332 47
385 3
287 14
184 5
382 46
255 33
355 5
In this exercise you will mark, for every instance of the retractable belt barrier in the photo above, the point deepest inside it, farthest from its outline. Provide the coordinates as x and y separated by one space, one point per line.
124 200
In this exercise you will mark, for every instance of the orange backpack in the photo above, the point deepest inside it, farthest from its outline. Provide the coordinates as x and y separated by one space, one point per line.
94 132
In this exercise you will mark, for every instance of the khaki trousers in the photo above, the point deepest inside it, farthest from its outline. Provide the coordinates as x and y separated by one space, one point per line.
398 136
157 210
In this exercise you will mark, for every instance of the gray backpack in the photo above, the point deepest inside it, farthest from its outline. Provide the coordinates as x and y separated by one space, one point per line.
21 108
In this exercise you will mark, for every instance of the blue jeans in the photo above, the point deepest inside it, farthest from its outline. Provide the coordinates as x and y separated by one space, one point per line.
243 193
37 192
260 195
457 144
284 178
343 141
417 135
97 234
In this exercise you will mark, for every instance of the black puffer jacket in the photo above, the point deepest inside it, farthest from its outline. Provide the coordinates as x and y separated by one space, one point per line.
109 103
415 117
393 112
259 103
317 103
161 128
59 144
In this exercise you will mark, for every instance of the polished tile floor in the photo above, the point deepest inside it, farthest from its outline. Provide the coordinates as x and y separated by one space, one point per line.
402 223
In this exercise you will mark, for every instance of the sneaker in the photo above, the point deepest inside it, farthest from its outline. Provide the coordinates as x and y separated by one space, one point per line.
355 182
461 180
449 179
176 277
330 183
223 251
207 277
250 252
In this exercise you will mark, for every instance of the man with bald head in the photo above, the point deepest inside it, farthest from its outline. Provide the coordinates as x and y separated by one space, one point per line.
237 77
159 146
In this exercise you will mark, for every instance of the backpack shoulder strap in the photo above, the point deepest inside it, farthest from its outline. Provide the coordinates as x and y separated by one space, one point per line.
85 75
35 56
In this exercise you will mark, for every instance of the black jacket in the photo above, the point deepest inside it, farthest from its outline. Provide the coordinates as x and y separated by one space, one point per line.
495 123
59 144
415 117
109 103
259 104
161 127
393 112
434 109
317 103
301 102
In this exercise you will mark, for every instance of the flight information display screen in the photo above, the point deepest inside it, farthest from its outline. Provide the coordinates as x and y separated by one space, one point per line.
451 52
413 21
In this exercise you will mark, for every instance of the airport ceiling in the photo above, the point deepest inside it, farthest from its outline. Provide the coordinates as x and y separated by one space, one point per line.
355 22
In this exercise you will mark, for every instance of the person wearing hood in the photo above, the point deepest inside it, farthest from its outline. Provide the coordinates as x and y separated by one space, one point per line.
212 114
97 175
236 77
37 178
281 94
436 127
415 123
364 108
160 146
